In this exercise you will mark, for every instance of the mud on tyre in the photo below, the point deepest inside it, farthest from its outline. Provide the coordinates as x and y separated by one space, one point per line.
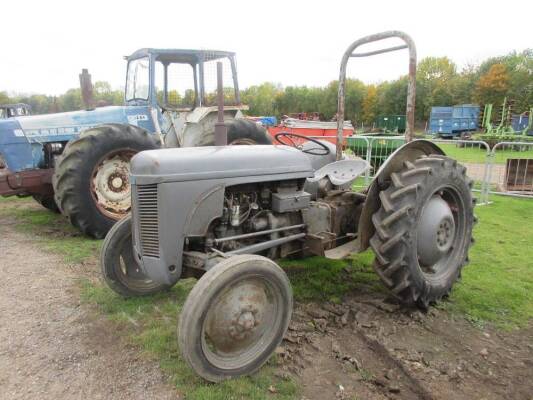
424 229
91 179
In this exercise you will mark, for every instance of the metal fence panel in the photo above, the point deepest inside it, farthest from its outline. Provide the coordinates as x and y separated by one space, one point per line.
505 169
510 169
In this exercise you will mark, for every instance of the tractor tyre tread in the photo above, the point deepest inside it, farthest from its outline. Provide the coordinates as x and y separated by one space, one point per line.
72 175
247 130
395 221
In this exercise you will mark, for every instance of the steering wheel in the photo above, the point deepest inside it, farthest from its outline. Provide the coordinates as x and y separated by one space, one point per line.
322 150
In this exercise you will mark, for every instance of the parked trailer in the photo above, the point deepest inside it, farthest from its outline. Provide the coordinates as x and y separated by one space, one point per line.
448 122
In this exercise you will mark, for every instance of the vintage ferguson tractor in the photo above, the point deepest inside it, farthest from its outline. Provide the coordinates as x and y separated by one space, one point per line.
224 213
78 162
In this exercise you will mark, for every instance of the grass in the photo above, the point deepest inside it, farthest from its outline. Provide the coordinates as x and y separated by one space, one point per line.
53 232
152 327
497 287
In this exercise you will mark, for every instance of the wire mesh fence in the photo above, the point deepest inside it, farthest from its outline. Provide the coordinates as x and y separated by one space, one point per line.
506 168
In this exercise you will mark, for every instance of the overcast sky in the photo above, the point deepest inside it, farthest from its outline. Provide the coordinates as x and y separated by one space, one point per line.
46 43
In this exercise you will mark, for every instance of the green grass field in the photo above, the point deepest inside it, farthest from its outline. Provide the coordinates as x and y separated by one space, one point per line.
497 288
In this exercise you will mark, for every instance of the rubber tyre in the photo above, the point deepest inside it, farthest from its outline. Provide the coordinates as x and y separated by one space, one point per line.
243 131
73 172
395 240
200 300
47 201
117 245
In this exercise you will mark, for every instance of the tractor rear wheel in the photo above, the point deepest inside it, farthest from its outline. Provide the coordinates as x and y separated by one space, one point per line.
235 317
243 131
91 179
119 268
47 201
424 229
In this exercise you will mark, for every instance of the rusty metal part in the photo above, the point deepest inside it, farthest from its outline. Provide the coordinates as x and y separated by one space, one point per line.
35 181
221 131
86 87
243 141
110 186
411 89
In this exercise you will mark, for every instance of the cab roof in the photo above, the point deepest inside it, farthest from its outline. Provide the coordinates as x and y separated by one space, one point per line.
185 56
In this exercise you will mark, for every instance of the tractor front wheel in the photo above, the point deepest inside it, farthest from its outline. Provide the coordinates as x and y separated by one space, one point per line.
91 180
119 268
235 317
424 229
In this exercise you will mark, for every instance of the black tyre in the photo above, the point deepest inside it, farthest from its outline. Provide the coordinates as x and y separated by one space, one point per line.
243 131
47 201
235 317
91 179
119 268
424 229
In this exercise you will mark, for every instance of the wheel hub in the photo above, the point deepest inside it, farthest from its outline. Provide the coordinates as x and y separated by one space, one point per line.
243 325
239 318
110 184
436 232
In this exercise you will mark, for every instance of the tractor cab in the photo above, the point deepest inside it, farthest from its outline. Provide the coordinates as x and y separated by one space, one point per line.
14 110
181 86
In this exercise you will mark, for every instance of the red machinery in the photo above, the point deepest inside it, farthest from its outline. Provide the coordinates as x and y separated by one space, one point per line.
312 128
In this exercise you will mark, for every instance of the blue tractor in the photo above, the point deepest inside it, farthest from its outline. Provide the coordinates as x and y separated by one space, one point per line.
77 163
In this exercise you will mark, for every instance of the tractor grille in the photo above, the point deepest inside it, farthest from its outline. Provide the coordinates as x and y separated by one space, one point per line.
148 219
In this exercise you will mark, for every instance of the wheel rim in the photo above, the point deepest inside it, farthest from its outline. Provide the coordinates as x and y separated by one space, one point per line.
441 229
126 269
110 185
242 322
243 141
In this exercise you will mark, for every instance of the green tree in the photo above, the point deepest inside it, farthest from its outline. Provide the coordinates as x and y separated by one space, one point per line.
434 84
4 98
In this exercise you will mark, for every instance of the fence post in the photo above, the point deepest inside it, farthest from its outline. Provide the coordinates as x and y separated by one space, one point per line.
485 183
368 159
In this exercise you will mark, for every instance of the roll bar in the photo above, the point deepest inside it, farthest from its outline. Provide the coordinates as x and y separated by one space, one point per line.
411 88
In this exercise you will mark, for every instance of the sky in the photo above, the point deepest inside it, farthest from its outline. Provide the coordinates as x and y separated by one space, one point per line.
286 42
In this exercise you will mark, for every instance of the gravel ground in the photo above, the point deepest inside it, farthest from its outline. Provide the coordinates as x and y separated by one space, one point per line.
51 347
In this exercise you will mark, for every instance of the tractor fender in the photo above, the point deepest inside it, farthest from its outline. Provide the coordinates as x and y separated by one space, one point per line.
408 152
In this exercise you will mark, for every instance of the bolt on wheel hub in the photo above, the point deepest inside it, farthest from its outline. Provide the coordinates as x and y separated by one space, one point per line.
110 184
239 322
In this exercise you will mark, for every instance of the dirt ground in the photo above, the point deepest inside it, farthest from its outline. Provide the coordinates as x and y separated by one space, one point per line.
370 348
51 347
